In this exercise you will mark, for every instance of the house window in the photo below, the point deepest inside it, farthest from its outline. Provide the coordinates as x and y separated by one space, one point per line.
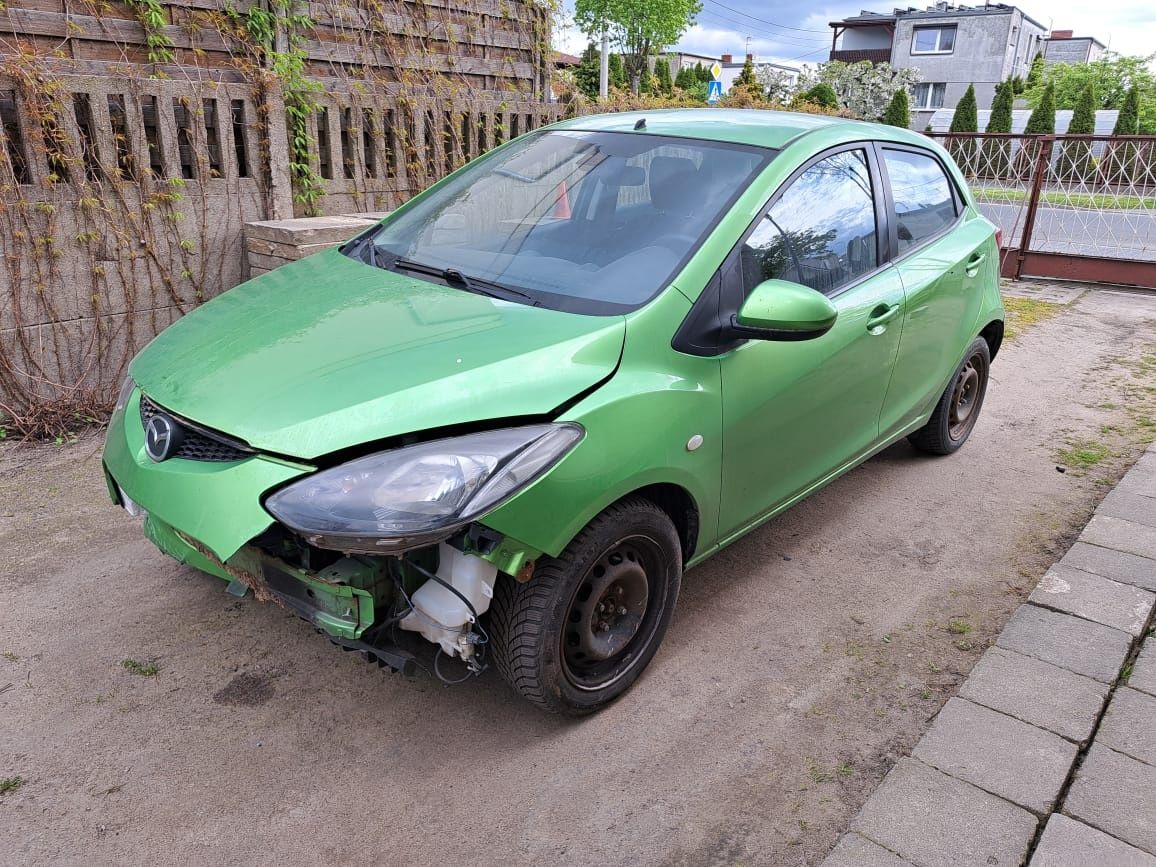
933 40
929 94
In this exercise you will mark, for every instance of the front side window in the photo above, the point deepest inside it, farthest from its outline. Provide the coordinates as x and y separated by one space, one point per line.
929 95
589 222
821 232
924 205
933 40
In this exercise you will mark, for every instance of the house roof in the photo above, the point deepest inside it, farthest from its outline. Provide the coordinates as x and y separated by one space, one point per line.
867 18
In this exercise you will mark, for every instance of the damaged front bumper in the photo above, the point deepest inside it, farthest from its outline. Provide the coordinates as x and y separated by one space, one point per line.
209 516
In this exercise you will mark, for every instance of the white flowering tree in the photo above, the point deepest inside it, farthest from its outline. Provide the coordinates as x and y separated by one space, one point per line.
777 84
863 88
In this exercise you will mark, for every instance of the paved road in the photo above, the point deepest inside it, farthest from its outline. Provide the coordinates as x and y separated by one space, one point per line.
1115 234
800 664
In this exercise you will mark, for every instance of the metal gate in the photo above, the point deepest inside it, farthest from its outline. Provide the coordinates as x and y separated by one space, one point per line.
1073 207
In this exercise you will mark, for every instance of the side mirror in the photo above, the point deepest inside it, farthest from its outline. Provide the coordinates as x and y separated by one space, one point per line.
781 310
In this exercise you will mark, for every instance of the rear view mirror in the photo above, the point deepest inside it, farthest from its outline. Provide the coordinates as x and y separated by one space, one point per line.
781 310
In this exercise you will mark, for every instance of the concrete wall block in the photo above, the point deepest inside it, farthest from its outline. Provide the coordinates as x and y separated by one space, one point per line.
307 230
284 251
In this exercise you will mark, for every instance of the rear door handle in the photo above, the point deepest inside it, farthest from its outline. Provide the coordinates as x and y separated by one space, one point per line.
880 316
974 262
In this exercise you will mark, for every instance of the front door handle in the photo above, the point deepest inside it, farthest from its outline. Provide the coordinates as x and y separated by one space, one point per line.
880 316
974 262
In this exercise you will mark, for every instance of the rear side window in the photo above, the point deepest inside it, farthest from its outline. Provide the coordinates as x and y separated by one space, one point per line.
924 205
821 232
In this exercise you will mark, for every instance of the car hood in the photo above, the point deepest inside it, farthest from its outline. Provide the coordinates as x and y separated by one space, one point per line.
328 353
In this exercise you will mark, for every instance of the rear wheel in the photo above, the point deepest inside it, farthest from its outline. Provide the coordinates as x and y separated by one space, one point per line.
580 632
958 409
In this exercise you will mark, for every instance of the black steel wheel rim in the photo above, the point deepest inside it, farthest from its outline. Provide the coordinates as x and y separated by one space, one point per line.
967 396
613 614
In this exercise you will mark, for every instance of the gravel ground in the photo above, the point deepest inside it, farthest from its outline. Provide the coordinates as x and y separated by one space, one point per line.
801 662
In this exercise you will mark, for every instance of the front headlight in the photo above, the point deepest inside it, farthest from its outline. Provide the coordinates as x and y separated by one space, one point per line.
419 494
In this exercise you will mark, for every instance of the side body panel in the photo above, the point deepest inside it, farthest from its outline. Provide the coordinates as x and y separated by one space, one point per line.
795 410
944 303
638 431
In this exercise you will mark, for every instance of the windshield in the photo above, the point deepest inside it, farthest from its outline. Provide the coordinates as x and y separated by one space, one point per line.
590 222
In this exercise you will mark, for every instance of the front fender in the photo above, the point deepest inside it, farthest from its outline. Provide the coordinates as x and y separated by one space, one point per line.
639 426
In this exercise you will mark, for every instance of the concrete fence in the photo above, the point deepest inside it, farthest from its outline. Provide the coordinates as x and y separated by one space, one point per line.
123 201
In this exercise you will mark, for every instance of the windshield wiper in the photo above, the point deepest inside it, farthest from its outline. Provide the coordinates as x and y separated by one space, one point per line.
454 277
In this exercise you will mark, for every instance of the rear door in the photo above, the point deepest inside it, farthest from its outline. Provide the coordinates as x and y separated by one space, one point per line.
793 412
943 254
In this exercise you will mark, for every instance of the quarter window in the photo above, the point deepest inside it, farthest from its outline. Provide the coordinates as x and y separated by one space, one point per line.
924 205
821 232
929 94
933 40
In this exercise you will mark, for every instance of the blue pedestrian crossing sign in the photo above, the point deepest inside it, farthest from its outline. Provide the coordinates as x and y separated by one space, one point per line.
713 91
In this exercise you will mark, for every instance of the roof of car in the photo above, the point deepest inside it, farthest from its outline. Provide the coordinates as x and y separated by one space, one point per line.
772 129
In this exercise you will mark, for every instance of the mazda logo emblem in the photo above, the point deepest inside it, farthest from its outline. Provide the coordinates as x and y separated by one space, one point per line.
162 437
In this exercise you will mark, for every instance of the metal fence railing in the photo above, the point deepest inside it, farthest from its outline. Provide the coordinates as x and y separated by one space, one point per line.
1072 206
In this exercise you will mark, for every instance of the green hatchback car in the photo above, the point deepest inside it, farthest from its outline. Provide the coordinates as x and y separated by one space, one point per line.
498 426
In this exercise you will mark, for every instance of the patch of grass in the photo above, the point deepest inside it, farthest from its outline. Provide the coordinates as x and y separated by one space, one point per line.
144 669
844 769
817 773
958 627
1082 454
1126 673
1023 313
10 784
1059 198
10 656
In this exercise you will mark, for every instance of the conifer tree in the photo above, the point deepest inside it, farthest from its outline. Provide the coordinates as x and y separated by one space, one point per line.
588 71
1120 160
685 80
747 79
997 151
898 110
662 73
1043 118
965 120
1042 121
616 72
1076 161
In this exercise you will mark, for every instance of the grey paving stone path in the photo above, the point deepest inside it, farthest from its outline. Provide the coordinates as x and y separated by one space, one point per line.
1068 843
1144 672
1048 754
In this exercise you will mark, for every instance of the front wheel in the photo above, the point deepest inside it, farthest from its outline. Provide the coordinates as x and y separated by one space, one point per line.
580 632
958 409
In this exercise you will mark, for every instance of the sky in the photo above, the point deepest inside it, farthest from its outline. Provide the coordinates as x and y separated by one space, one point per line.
796 31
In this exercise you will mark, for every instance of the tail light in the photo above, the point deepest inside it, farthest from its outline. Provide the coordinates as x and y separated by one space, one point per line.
999 239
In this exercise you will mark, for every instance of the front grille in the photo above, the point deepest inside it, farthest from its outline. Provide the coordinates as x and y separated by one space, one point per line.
197 444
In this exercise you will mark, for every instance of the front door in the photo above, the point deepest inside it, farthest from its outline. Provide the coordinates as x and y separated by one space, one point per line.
794 412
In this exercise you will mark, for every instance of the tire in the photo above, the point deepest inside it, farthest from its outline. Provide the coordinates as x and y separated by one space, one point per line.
958 409
551 643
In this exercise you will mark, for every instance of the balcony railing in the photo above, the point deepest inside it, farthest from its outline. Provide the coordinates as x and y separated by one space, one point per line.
875 55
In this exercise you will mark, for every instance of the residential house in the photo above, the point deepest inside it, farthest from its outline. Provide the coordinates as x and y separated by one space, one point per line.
679 60
1063 47
951 46
731 69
